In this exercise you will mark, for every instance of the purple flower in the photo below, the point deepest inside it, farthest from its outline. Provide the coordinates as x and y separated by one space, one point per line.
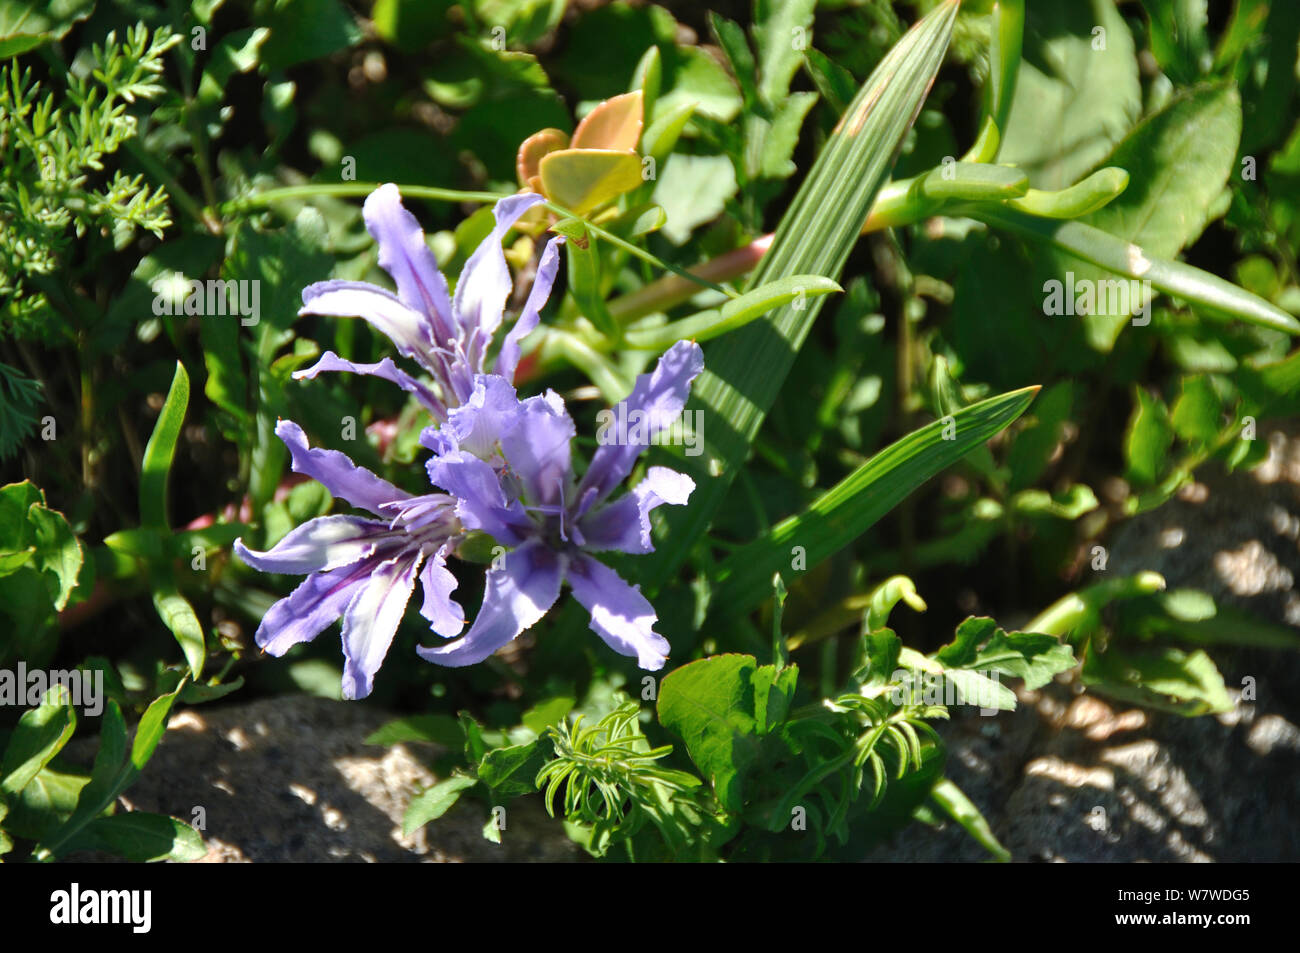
507 463
363 570
448 337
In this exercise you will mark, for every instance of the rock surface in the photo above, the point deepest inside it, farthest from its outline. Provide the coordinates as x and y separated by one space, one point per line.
291 779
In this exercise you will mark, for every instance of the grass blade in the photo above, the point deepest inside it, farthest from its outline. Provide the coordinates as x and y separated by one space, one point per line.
853 505
744 371
160 451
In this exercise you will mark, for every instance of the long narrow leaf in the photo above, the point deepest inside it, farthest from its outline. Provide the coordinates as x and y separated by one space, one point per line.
744 371
853 505
160 451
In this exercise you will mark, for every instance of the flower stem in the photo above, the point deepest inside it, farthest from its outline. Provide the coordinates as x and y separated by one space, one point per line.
344 190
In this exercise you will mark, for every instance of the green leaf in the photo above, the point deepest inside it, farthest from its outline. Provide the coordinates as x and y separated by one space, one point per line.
745 371
178 615
961 809
1148 438
511 771
1178 161
140 837
114 770
434 802
160 450
1163 678
40 735
440 729
736 313
58 554
584 276
1196 413
720 706
782 31
693 190
1072 101
547 713
854 504
1178 37
304 30
26 24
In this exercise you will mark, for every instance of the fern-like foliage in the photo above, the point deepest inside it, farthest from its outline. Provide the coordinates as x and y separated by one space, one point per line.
53 177
613 784
19 398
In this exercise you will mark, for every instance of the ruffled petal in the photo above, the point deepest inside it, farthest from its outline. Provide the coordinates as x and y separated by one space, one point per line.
619 613
445 615
405 255
547 267
371 619
385 369
655 402
325 543
515 597
477 425
341 476
624 524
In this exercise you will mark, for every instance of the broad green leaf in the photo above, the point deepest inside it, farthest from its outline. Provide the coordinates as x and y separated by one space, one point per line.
782 31
547 713
159 452
745 371
853 505
303 30
58 554
40 735
512 771
1196 413
693 190
1148 438
26 24
1076 91
1178 162
1163 678
440 729
433 803
44 804
720 706
736 313
139 837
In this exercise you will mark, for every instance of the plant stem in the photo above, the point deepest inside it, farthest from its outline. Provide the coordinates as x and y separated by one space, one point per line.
289 192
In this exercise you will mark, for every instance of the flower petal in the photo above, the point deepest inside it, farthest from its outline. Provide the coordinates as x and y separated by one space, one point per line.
404 254
619 613
476 426
515 597
508 359
484 284
308 611
325 543
385 369
624 524
480 501
408 329
341 476
537 447
445 615
371 620
655 401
